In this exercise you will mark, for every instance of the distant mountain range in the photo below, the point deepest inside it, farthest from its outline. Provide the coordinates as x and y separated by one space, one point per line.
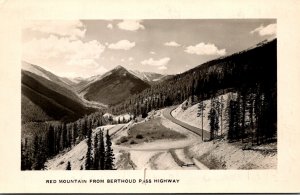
46 96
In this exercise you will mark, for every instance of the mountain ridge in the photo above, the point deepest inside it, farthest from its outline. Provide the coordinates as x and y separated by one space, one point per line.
113 87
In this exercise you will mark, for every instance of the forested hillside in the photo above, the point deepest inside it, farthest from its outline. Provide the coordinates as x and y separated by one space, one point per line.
251 74
47 97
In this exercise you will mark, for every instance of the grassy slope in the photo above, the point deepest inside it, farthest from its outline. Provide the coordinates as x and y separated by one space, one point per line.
56 101
149 131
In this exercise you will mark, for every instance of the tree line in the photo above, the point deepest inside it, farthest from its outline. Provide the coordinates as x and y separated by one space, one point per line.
99 156
251 74
56 137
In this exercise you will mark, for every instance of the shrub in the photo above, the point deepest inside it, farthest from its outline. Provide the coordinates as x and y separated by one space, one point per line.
132 142
123 139
139 136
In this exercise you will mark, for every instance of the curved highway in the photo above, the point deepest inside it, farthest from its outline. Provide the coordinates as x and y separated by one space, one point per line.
167 113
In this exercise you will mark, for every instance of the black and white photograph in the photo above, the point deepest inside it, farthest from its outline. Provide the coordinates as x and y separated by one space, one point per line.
137 96
155 94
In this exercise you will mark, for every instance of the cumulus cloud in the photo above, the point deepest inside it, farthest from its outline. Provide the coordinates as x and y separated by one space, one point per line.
55 51
122 45
265 30
172 44
110 26
152 52
205 49
131 25
161 63
71 28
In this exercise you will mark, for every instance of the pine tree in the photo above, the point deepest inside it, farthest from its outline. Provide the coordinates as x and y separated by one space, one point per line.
201 109
75 133
25 161
64 136
213 118
88 162
96 153
101 151
231 118
192 91
68 166
50 138
221 113
35 165
39 154
109 155
217 107
212 122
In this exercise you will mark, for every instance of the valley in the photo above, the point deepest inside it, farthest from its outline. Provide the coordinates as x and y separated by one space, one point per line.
218 115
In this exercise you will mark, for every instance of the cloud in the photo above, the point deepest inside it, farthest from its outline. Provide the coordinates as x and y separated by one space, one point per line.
205 49
101 70
110 26
264 31
130 59
161 63
152 52
131 25
162 68
70 28
172 44
122 45
55 52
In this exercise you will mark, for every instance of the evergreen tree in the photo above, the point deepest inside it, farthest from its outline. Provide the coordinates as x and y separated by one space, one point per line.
39 154
221 113
68 166
25 161
217 107
96 153
212 122
192 91
75 133
232 123
213 118
88 162
50 138
64 136
109 155
101 151
201 109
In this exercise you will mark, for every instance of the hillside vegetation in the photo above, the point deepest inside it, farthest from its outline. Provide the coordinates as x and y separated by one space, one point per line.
251 75
115 87
49 99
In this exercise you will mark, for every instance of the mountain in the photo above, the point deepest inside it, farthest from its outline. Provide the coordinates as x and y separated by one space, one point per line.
113 87
253 69
46 96
37 70
149 77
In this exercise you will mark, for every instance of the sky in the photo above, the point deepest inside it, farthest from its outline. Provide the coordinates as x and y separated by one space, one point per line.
83 48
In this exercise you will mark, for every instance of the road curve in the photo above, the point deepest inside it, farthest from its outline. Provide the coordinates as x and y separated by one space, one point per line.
167 114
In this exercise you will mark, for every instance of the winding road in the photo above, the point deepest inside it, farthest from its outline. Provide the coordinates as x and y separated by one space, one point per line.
167 114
